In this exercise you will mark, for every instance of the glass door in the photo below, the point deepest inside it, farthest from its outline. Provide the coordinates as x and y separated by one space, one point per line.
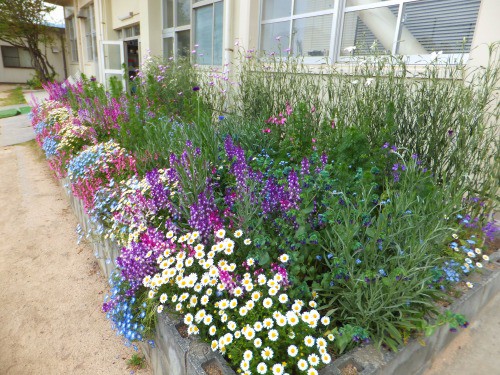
112 62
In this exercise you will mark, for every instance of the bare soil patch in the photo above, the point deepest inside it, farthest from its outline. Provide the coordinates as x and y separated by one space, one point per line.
50 294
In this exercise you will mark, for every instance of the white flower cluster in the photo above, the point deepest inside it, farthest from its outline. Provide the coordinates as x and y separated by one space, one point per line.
244 311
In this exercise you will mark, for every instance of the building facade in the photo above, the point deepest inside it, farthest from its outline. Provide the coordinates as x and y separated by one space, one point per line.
104 34
16 65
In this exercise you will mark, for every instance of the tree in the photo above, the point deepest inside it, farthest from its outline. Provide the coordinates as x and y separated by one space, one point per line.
23 25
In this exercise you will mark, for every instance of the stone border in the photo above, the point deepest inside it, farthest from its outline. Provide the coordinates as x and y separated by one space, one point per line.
173 354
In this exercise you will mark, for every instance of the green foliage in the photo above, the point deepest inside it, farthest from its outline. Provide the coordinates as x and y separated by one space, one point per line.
446 114
23 24
136 361
381 256
35 83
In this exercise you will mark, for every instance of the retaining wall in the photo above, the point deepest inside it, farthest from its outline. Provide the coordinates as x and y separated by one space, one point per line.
176 355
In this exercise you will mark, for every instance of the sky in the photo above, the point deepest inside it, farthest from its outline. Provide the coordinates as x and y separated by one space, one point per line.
57 15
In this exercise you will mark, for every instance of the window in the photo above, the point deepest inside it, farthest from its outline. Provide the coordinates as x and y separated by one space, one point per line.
14 57
176 28
208 33
207 29
90 34
415 28
129 32
70 27
342 28
299 27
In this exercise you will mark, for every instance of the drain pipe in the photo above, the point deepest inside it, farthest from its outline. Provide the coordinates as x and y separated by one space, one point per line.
63 48
228 31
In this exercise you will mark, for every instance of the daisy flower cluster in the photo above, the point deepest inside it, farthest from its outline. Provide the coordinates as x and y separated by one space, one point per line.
74 136
243 310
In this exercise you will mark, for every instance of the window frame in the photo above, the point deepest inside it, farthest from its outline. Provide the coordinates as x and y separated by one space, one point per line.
172 32
90 33
339 10
307 59
201 4
73 41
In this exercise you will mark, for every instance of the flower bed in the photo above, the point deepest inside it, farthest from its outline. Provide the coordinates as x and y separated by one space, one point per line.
281 243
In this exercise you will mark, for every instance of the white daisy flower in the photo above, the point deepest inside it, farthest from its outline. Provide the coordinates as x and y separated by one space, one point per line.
302 365
273 335
292 351
309 341
284 258
313 360
243 310
283 298
248 355
261 368
267 353
278 369
268 323
267 302
244 365
321 342
326 358
212 330
221 233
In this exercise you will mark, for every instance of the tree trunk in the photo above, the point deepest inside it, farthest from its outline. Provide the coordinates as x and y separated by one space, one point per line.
44 69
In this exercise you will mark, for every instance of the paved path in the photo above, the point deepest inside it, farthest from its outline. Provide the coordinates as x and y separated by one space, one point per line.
476 350
50 288
15 129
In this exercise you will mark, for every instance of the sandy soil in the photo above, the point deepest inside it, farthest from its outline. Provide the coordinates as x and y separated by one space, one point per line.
51 289
476 350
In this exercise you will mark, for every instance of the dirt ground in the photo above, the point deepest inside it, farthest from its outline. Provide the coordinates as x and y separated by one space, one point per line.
51 289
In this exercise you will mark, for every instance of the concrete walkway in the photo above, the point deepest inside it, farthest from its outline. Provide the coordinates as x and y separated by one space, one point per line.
17 129
475 350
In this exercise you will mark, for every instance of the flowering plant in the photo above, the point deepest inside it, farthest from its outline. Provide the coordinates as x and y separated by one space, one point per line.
127 209
243 309
96 166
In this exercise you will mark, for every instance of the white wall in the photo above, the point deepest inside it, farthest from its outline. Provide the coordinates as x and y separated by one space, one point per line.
21 75
487 31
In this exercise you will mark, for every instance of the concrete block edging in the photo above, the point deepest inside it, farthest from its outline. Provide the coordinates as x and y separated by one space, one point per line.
174 354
